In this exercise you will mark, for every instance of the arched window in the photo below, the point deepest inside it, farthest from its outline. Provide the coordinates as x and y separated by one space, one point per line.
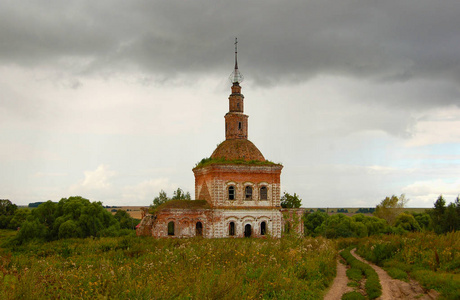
247 230
231 192
239 125
263 228
248 192
231 228
199 229
171 228
263 193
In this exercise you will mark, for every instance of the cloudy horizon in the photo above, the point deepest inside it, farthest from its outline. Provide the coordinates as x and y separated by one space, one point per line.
115 101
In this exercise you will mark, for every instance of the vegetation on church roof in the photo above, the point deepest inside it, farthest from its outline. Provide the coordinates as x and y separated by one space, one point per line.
222 161
183 204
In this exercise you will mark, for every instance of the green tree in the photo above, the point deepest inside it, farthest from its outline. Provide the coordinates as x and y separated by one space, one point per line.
19 217
7 210
126 221
69 229
313 221
390 208
451 219
424 220
160 199
407 222
290 201
31 230
70 217
180 195
437 214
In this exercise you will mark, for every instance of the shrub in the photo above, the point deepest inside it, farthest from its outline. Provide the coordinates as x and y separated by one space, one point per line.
353 296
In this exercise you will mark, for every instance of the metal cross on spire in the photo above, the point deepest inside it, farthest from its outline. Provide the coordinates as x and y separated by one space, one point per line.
236 53
236 76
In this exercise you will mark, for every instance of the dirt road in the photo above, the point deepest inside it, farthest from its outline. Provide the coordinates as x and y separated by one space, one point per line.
391 288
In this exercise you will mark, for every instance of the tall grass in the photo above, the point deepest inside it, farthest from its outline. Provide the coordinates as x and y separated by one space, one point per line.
147 268
433 260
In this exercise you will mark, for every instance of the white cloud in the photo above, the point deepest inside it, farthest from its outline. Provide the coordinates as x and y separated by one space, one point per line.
423 193
437 127
95 181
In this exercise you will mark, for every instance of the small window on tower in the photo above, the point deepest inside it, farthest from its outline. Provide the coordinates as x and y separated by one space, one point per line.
238 105
239 125
263 193
248 192
231 192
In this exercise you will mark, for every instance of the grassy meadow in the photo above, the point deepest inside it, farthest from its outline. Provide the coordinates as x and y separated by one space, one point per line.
145 268
131 267
433 260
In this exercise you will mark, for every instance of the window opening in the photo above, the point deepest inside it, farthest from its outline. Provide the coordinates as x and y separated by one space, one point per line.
247 230
231 228
171 228
263 228
263 193
199 229
248 192
239 125
231 192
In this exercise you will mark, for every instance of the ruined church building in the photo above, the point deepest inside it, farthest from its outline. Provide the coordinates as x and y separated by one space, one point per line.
237 190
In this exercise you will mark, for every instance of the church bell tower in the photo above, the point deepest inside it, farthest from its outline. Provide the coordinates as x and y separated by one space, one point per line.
236 122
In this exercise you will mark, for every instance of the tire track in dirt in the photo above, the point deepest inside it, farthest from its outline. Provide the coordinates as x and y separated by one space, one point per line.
397 289
339 285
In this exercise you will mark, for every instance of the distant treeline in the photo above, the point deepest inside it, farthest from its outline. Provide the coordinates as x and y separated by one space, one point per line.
362 210
36 204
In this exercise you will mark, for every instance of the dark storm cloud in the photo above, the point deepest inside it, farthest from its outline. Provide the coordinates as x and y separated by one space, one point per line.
289 41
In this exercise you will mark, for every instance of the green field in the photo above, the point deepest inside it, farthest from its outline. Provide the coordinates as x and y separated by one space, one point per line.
133 267
147 268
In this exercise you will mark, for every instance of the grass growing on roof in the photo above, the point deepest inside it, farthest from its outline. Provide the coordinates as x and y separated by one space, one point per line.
182 204
222 161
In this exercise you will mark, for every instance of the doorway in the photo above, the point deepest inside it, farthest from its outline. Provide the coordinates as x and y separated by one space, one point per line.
247 230
199 229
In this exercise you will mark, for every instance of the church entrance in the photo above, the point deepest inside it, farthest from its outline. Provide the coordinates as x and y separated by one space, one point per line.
199 229
247 230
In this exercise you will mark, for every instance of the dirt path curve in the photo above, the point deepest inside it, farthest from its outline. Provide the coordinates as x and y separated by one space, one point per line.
397 289
339 285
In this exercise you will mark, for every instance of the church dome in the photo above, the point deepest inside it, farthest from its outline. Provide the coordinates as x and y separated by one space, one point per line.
237 149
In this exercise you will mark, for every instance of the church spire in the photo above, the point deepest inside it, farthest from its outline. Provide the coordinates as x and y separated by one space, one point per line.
236 76
236 122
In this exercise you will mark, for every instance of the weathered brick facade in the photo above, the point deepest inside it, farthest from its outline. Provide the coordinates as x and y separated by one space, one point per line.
239 190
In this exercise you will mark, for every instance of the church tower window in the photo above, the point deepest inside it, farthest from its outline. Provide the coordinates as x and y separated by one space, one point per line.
263 193
248 192
231 192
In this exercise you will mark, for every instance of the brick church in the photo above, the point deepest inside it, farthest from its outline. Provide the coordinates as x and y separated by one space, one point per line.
237 190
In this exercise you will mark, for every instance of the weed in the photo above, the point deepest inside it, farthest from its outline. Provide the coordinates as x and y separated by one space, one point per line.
353 296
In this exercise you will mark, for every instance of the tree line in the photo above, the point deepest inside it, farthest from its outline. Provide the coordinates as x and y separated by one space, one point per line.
73 217
389 217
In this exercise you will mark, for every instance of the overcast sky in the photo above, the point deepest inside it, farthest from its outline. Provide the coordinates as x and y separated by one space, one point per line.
116 100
